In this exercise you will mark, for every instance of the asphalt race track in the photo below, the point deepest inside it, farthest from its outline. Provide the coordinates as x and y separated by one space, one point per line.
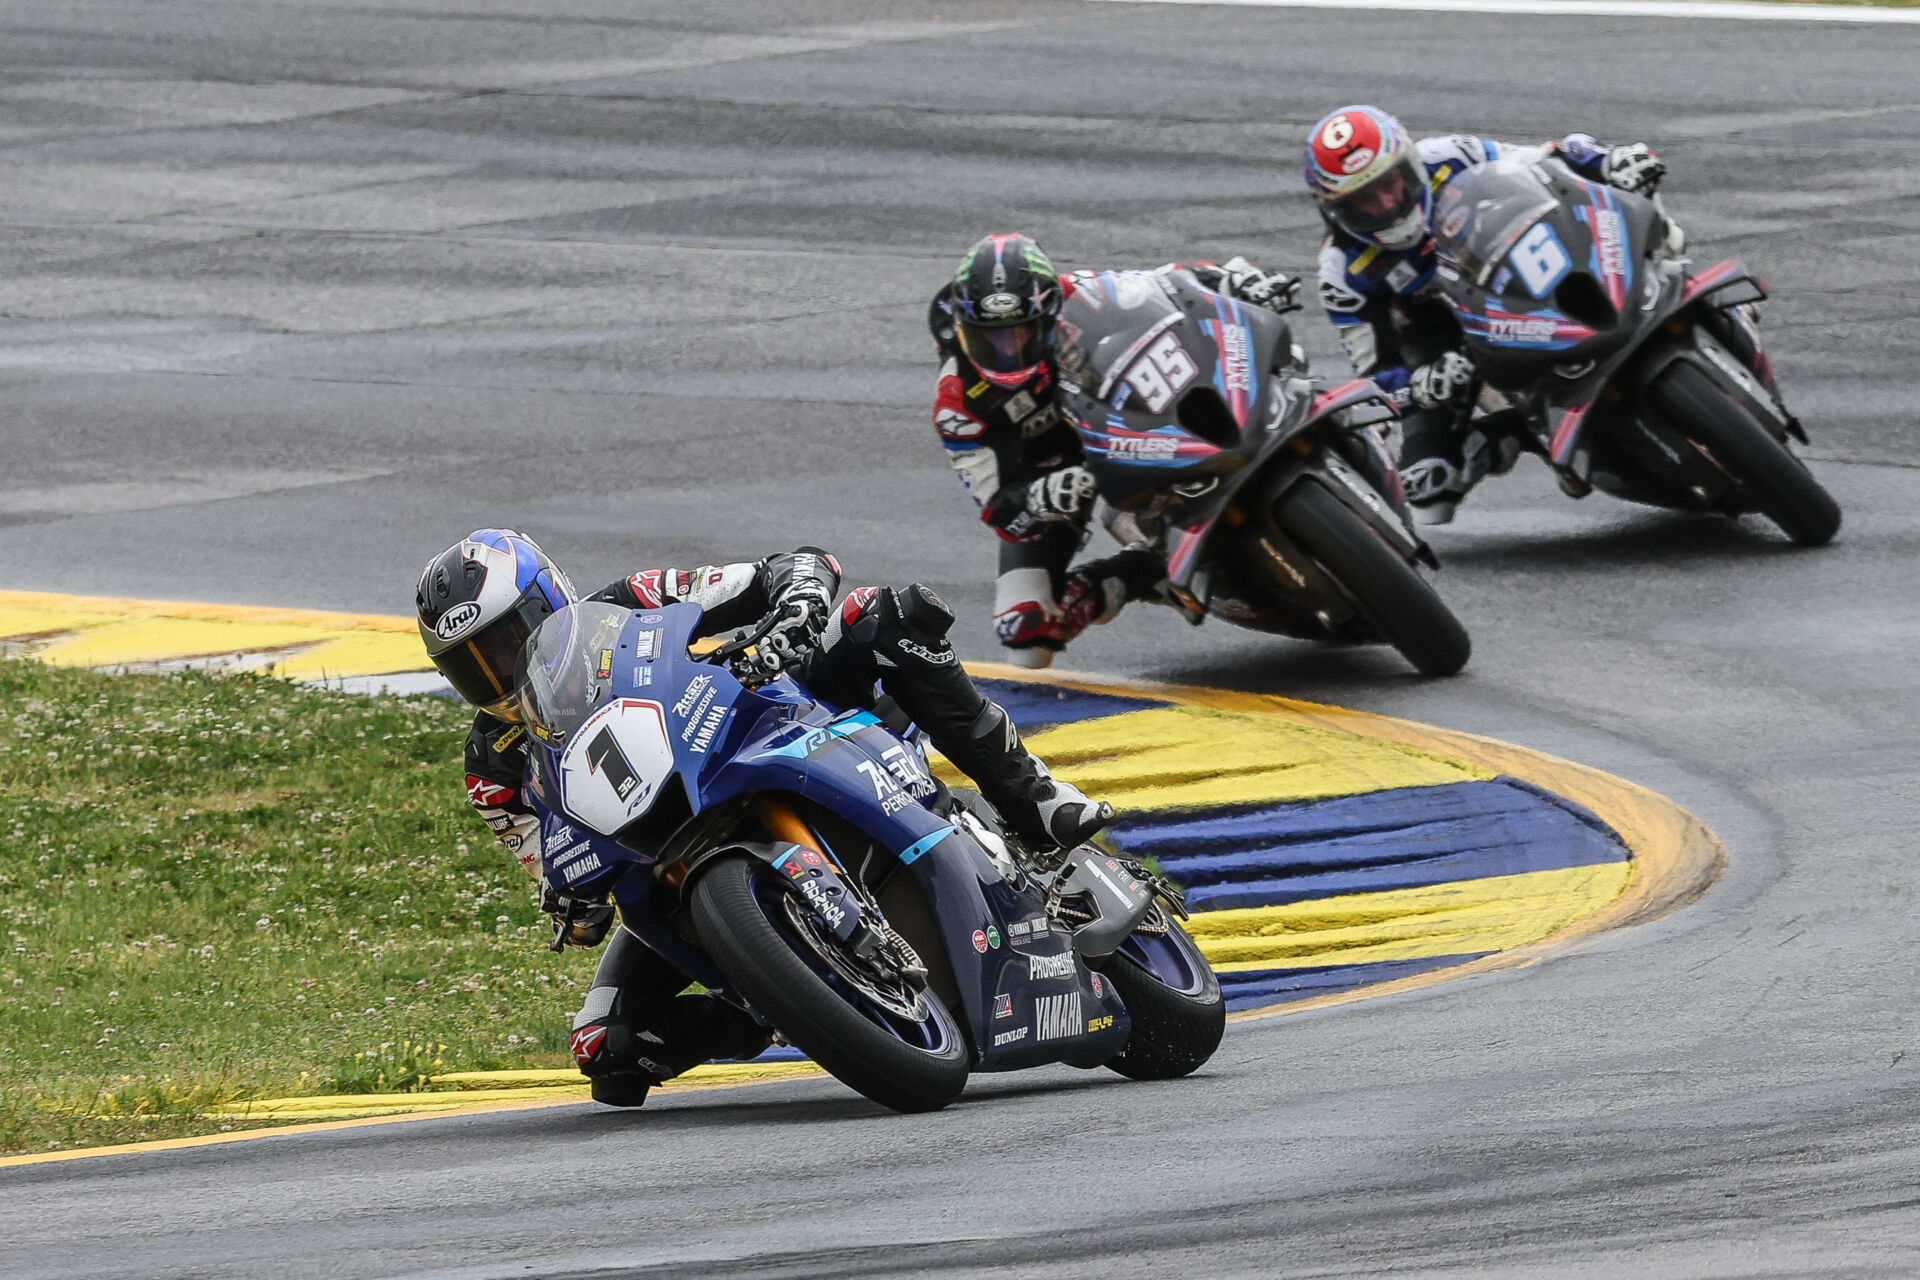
291 295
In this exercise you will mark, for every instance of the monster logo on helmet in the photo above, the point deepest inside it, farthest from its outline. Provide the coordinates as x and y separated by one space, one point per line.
1004 299
1367 177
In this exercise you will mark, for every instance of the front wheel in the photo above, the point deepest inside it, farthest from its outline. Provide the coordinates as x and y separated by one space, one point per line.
1407 611
1773 480
1173 999
899 1046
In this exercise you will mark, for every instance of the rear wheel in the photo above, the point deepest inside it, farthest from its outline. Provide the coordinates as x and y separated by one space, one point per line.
1393 595
896 1044
1775 482
1173 999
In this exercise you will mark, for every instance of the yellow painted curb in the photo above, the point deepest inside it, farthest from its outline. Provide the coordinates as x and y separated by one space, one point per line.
1675 857
724 1076
300 644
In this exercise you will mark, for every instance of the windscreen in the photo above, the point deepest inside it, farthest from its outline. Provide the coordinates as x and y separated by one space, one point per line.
567 667
1482 213
1111 314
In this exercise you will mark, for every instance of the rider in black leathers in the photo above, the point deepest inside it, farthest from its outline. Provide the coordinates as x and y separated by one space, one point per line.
481 598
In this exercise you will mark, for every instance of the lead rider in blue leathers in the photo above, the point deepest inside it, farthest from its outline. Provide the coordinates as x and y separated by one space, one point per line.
480 599
1375 187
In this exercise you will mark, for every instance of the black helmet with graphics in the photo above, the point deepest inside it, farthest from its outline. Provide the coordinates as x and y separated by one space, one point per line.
1004 302
477 603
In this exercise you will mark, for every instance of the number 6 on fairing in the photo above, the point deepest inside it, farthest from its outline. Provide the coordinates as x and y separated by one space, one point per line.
1540 260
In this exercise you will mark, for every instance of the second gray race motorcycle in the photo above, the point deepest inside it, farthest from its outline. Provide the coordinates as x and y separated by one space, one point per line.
1624 365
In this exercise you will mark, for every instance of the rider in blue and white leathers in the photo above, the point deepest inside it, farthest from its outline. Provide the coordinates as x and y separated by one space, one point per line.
1375 187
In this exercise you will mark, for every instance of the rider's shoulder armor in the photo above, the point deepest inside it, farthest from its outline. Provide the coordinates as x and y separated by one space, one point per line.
1449 156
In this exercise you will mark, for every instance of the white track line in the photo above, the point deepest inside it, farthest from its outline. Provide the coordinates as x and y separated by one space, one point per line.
1725 9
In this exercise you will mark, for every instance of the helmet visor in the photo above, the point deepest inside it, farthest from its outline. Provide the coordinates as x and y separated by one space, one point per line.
481 667
1005 349
1382 204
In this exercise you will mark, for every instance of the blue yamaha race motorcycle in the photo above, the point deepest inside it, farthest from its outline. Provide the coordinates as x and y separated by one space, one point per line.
802 862
1618 361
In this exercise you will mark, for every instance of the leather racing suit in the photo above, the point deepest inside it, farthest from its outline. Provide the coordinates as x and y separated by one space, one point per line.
1391 321
1004 443
635 1027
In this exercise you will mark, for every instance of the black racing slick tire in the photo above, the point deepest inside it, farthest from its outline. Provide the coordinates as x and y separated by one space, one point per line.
1772 479
761 960
1402 605
1174 1032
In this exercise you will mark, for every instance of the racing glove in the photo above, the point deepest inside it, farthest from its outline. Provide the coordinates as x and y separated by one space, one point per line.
1239 278
1066 494
577 923
1634 167
799 620
1443 381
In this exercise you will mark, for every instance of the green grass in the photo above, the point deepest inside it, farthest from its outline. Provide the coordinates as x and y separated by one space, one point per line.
213 889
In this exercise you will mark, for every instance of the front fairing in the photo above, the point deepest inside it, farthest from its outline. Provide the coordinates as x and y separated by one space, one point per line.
726 742
1166 382
1563 284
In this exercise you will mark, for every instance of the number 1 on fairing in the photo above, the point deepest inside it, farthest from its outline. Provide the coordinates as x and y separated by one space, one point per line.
1158 376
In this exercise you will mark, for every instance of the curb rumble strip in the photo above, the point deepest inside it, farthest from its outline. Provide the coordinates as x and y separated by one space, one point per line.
1674 857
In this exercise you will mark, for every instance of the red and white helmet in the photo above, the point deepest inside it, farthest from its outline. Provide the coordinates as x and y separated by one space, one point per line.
1364 172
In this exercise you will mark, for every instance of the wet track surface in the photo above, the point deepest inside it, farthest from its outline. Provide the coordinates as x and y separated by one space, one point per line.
292 295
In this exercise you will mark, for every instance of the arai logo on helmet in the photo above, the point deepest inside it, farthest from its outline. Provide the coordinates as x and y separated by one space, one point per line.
456 620
1357 159
996 305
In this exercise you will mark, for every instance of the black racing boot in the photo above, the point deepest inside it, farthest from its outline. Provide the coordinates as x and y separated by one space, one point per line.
1048 814
631 1032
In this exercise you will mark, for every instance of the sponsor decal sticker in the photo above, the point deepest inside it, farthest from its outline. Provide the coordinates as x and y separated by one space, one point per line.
587 1042
1100 1023
1522 331
646 645
832 912
993 937
1146 448
580 867
695 687
1238 354
1009 1037
996 305
1044 968
955 425
456 620
708 728
606 665
1057 1017
487 795
980 941
1003 1006
1357 159
1099 988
